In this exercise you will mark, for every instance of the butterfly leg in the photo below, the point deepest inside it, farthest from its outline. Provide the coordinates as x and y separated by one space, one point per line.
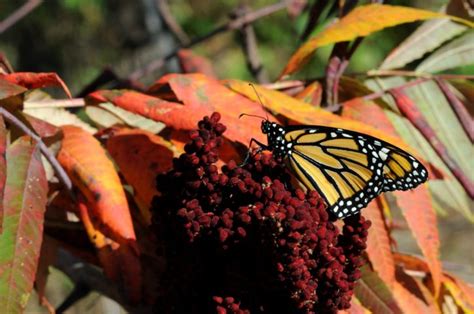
261 147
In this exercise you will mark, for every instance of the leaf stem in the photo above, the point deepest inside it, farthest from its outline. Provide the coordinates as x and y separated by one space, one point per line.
60 172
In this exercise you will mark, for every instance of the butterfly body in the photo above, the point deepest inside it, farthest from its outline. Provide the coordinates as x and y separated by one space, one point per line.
347 168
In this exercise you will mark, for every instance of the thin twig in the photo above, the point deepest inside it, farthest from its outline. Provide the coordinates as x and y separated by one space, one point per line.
54 103
231 25
170 21
458 107
20 13
375 95
377 73
60 172
249 45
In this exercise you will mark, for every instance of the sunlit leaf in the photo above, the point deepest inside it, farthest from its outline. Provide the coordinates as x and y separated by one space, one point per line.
93 173
304 113
24 205
458 53
409 303
421 218
31 80
140 156
8 89
202 95
462 293
429 36
360 22
311 94
106 115
374 294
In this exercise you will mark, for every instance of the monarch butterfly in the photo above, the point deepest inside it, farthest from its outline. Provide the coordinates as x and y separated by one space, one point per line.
347 168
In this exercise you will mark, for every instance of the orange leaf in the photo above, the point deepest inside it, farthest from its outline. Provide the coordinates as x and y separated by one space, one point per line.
140 155
193 63
420 215
360 22
408 302
378 243
8 89
411 262
32 80
93 173
304 113
119 261
203 95
311 94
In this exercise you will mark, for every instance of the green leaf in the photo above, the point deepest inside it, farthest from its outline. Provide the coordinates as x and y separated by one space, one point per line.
459 52
20 242
447 193
374 294
429 36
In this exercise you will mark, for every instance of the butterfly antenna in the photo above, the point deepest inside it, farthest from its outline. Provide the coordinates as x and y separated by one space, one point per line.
261 102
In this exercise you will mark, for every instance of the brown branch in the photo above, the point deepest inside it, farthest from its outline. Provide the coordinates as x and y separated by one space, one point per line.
249 45
458 107
20 13
54 103
60 172
170 21
231 25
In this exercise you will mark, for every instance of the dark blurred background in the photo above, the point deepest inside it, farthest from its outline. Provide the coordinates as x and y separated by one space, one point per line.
79 38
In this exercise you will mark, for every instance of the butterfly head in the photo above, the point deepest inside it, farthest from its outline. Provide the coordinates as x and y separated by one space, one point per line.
276 138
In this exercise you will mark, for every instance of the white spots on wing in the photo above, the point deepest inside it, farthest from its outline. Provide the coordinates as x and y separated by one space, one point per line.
333 134
312 131
364 150
415 164
361 142
289 145
377 143
346 135
383 155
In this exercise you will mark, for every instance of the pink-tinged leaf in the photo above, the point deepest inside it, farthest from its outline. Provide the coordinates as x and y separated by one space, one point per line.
193 63
360 22
3 166
412 113
8 89
20 243
462 292
374 294
417 208
378 243
32 80
49 249
203 95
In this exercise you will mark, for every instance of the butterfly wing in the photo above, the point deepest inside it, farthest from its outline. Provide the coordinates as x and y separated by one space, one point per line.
347 168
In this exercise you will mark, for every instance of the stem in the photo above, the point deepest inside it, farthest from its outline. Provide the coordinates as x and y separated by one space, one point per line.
20 13
376 73
55 103
60 172
231 25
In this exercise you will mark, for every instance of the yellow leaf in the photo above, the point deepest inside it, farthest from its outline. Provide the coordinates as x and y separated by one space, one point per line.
360 22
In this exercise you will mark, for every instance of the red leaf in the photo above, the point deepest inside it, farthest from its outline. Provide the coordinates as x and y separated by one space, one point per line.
193 63
3 167
202 96
411 262
93 173
8 89
32 80
420 215
378 243
409 109
24 204
140 156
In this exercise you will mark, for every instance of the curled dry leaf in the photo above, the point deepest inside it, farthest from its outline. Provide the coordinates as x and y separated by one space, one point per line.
87 164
